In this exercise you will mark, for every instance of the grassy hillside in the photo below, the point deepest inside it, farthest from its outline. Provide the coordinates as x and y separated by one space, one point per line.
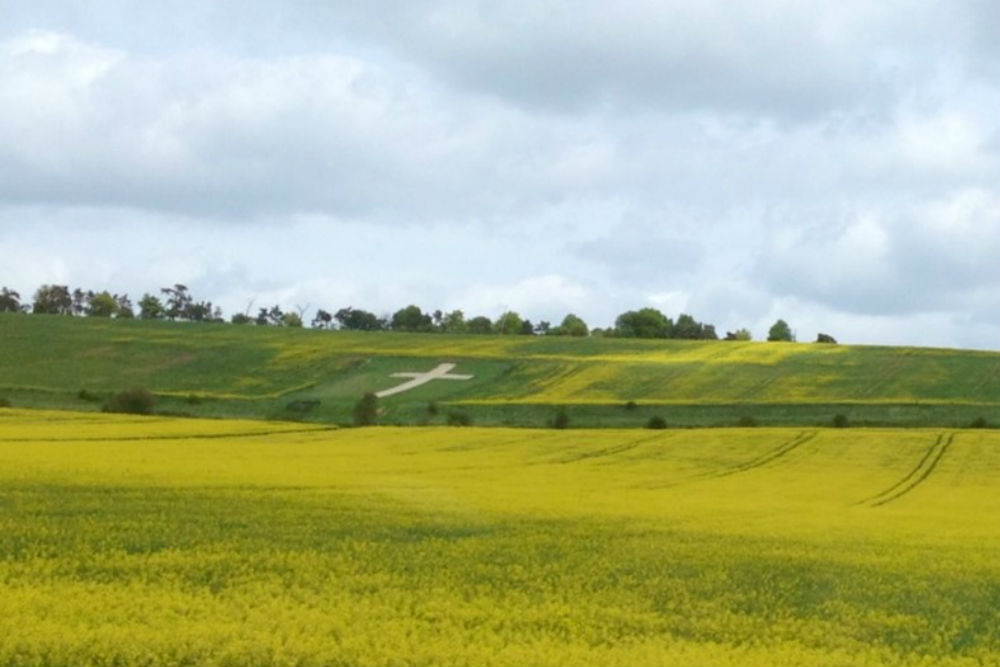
141 541
224 370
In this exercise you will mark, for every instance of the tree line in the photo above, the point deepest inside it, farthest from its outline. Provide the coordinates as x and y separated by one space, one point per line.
176 303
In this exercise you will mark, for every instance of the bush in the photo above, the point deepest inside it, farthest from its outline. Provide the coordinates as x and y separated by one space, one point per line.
631 405
457 418
135 401
366 410
840 421
87 395
656 422
561 419
979 422
4 402
194 399
746 421
432 409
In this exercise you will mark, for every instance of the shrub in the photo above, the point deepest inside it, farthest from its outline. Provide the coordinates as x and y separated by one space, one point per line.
87 395
631 405
366 410
656 422
4 402
840 421
561 419
746 420
136 401
194 399
457 418
432 409
979 422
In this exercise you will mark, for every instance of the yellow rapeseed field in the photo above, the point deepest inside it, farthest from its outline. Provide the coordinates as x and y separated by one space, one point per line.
156 541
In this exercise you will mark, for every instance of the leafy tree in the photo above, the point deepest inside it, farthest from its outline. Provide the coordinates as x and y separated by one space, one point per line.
124 309
322 320
479 325
241 318
151 308
780 331
826 338
454 322
509 323
355 319
643 323
543 328
571 326
80 301
366 410
739 334
53 300
101 304
686 328
178 301
411 319
10 301
527 328
291 320
708 332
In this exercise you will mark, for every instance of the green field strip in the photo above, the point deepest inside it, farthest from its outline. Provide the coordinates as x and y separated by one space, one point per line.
917 475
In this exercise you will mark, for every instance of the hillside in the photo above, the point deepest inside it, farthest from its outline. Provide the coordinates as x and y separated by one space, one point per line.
264 372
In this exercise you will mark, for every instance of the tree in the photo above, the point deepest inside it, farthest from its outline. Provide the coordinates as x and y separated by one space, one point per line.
509 323
739 334
571 326
543 328
355 319
454 322
708 332
178 303
826 338
10 301
322 320
686 327
366 410
780 331
151 308
241 318
101 304
411 319
124 308
80 300
479 325
53 300
643 323
291 320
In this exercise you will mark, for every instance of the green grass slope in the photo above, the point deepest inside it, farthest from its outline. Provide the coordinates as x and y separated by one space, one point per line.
265 372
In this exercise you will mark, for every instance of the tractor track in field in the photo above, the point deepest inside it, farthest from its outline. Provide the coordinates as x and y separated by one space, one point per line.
768 457
606 451
188 436
928 462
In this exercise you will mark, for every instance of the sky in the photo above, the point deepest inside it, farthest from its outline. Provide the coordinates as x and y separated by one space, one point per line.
836 165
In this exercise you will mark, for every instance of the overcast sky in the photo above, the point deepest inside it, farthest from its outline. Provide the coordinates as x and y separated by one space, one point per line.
836 164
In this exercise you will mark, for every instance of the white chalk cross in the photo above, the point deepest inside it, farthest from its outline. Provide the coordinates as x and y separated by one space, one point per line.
438 373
